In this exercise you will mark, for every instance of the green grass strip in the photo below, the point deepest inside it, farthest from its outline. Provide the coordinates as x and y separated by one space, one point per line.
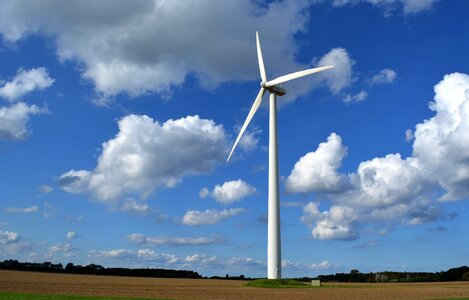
277 283
18 296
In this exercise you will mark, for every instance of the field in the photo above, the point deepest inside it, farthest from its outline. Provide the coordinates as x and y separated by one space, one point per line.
83 285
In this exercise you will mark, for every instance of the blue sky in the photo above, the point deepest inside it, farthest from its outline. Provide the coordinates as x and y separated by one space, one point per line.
116 120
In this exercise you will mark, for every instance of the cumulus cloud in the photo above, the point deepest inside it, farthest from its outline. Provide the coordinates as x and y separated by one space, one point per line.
392 188
141 239
25 210
407 6
71 235
15 117
441 142
361 96
229 192
200 262
192 261
250 139
317 171
14 120
409 135
57 250
143 255
119 46
25 82
341 76
324 265
336 223
382 189
11 243
336 80
146 155
210 216
8 237
384 76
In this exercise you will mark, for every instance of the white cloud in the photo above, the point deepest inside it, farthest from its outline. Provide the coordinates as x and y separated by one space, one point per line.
317 171
210 216
141 239
200 262
145 155
25 210
25 82
361 96
14 120
407 6
229 192
391 188
11 243
135 207
8 237
250 139
441 142
204 193
64 250
337 223
324 265
193 261
409 135
382 189
71 235
46 189
49 211
118 44
144 255
415 6
384 76
341 76
336 80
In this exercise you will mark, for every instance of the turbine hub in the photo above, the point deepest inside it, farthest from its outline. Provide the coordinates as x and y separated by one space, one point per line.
263 84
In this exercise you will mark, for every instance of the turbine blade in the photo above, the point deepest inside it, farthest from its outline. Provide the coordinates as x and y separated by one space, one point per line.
296 75
260 59
251 113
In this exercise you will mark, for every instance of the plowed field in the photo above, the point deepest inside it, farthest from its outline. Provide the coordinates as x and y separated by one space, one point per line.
65 284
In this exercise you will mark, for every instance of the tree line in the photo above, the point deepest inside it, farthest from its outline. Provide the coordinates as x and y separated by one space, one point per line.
93 269
454 274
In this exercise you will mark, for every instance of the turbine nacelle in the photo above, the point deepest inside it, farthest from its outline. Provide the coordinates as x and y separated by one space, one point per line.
277 90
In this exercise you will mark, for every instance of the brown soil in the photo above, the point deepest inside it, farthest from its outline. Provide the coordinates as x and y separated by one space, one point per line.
66 284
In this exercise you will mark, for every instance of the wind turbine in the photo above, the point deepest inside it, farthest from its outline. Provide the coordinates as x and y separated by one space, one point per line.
274 261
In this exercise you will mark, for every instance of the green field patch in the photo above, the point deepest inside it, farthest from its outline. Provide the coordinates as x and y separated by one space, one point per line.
278 283
18 296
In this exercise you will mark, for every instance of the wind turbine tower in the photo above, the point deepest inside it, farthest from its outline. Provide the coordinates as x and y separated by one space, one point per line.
274 257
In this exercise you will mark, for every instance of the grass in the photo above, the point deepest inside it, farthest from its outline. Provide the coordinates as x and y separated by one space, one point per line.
277 283
17 296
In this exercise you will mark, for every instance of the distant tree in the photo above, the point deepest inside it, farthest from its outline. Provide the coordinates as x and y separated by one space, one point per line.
69 267
465 276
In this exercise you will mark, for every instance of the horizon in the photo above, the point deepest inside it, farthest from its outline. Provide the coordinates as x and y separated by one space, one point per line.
116 121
